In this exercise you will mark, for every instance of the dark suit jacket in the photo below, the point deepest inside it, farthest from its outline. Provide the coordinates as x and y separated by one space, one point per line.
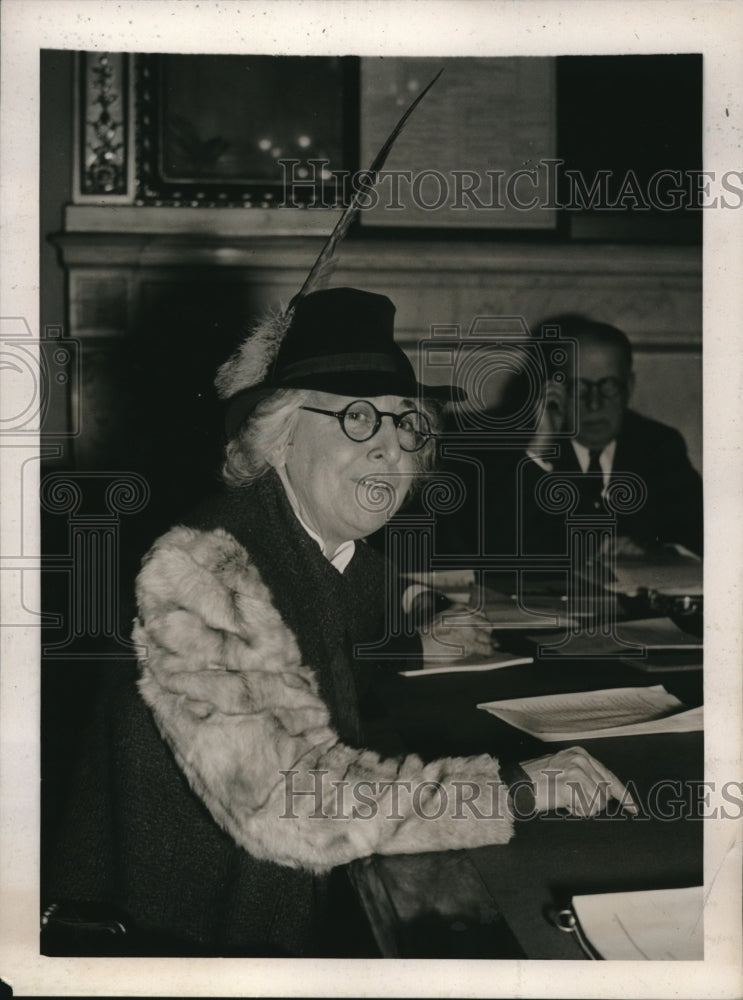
501 516
656 454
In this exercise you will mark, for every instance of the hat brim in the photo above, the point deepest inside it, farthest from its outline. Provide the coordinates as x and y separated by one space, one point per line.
363 386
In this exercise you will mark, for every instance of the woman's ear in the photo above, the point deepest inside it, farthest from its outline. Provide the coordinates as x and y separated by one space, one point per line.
277 458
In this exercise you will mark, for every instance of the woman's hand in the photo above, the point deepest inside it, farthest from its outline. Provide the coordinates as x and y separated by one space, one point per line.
469 634
574 780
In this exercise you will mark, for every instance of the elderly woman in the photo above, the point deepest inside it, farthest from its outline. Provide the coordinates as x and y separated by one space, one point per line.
229 820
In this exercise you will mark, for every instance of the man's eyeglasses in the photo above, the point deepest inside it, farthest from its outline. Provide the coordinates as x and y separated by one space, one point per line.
361 420
607 388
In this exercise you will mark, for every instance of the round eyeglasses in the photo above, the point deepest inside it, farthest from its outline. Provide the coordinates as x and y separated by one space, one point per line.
607 388
361 420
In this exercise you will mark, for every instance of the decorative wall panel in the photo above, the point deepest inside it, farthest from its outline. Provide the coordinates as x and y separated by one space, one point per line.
104 162
181 302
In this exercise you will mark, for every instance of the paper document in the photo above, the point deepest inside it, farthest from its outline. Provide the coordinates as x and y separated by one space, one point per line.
666 662
596 714
494 661
653 634
674 573
533 612
657 925
456 584
444 579
657 633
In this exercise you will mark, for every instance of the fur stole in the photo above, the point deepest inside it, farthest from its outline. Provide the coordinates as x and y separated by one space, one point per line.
222 675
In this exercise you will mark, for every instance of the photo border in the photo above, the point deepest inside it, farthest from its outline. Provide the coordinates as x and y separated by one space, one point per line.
477 27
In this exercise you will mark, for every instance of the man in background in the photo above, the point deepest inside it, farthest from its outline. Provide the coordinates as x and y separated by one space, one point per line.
584 429
610 439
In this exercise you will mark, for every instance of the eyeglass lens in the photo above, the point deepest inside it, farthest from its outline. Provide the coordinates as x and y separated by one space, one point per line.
608 388
361 421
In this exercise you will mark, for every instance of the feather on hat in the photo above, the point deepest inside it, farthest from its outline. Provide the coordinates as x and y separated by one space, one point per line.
251 362
245 377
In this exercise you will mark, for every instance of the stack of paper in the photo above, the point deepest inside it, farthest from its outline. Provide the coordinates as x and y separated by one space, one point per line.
588 715
656 925
494 661
534 612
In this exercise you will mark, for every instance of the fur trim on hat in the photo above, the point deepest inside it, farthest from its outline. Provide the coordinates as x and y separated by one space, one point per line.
250 363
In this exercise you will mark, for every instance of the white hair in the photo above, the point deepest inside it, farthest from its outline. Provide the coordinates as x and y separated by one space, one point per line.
263 436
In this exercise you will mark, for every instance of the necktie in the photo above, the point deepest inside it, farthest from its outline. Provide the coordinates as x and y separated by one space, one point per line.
592 486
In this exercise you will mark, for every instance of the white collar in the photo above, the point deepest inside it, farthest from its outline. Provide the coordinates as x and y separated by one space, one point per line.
606 457
343 554
583 454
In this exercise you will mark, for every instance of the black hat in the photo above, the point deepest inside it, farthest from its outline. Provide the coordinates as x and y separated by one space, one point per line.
338 340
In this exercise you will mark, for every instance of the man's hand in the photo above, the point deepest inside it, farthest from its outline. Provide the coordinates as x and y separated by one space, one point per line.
623 547
468 633
552 420
574 780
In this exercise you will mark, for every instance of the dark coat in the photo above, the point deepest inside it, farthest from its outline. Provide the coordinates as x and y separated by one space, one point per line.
246 670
